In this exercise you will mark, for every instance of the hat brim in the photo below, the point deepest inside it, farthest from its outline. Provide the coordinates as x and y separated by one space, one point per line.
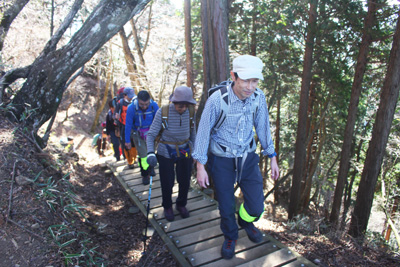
191 101
250 74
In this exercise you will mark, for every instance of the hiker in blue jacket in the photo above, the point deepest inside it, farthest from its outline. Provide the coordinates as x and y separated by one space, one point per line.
139 117
232 157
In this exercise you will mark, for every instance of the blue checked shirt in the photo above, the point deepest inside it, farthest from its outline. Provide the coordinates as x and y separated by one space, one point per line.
237 130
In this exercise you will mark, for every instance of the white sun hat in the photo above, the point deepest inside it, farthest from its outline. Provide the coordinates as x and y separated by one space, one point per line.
248 67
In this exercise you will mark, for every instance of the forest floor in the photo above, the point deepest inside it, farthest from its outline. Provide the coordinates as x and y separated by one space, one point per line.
41 224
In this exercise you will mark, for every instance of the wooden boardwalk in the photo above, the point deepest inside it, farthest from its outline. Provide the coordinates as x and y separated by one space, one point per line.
197 240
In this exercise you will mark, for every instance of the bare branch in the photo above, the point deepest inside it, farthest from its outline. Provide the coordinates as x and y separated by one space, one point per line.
11 76
52 43
9 15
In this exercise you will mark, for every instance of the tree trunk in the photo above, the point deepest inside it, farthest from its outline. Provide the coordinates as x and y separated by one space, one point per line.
8 17
277 139
138 49
344 165
300 151
188 45
102 102
313 167
130 62
253 36
44 87
214 21
377 145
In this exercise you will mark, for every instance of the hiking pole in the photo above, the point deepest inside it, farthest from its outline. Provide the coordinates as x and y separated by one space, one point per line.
147 219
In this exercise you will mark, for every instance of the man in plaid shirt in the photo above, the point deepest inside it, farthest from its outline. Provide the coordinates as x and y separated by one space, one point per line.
229 151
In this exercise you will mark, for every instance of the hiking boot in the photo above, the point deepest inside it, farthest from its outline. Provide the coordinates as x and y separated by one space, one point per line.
252 232
131 166
169 214
182 211
146 180
228 249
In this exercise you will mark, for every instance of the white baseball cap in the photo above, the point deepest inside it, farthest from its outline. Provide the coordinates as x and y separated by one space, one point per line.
248 67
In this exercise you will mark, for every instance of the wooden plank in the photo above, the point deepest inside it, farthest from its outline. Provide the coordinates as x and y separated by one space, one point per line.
138 181
198 236
155 192
193 220
215 241
196 228
299 262
156 202
142 188
192 206
276 258
212 256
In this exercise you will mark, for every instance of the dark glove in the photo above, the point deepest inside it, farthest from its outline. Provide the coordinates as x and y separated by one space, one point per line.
152 159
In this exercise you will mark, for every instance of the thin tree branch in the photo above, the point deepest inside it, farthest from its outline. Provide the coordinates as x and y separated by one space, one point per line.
52 43
11 191
11 76
23 228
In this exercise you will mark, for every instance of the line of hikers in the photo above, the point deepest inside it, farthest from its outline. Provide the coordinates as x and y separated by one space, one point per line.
224 143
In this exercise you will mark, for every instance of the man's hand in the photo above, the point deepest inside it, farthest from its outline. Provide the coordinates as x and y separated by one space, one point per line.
202 176
152 159
128 146
274 169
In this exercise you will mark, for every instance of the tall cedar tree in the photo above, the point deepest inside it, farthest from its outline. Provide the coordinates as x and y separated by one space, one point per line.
300 151
214 22
377 145
188 44
344 166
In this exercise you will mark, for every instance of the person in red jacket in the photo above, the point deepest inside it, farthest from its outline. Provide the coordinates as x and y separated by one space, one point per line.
122 107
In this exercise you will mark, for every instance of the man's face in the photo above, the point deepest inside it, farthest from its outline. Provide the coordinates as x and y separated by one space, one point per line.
144 105
244 88
181 107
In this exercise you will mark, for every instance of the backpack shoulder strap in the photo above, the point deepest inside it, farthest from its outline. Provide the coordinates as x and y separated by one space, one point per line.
164 116
191 116
164 123
224 106
255 103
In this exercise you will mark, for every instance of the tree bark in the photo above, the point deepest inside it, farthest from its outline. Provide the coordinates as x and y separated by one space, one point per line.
300 151
253 36
344 165
188 45
137 45
277 138
214 22
102 102
44 87
130 61
377 145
